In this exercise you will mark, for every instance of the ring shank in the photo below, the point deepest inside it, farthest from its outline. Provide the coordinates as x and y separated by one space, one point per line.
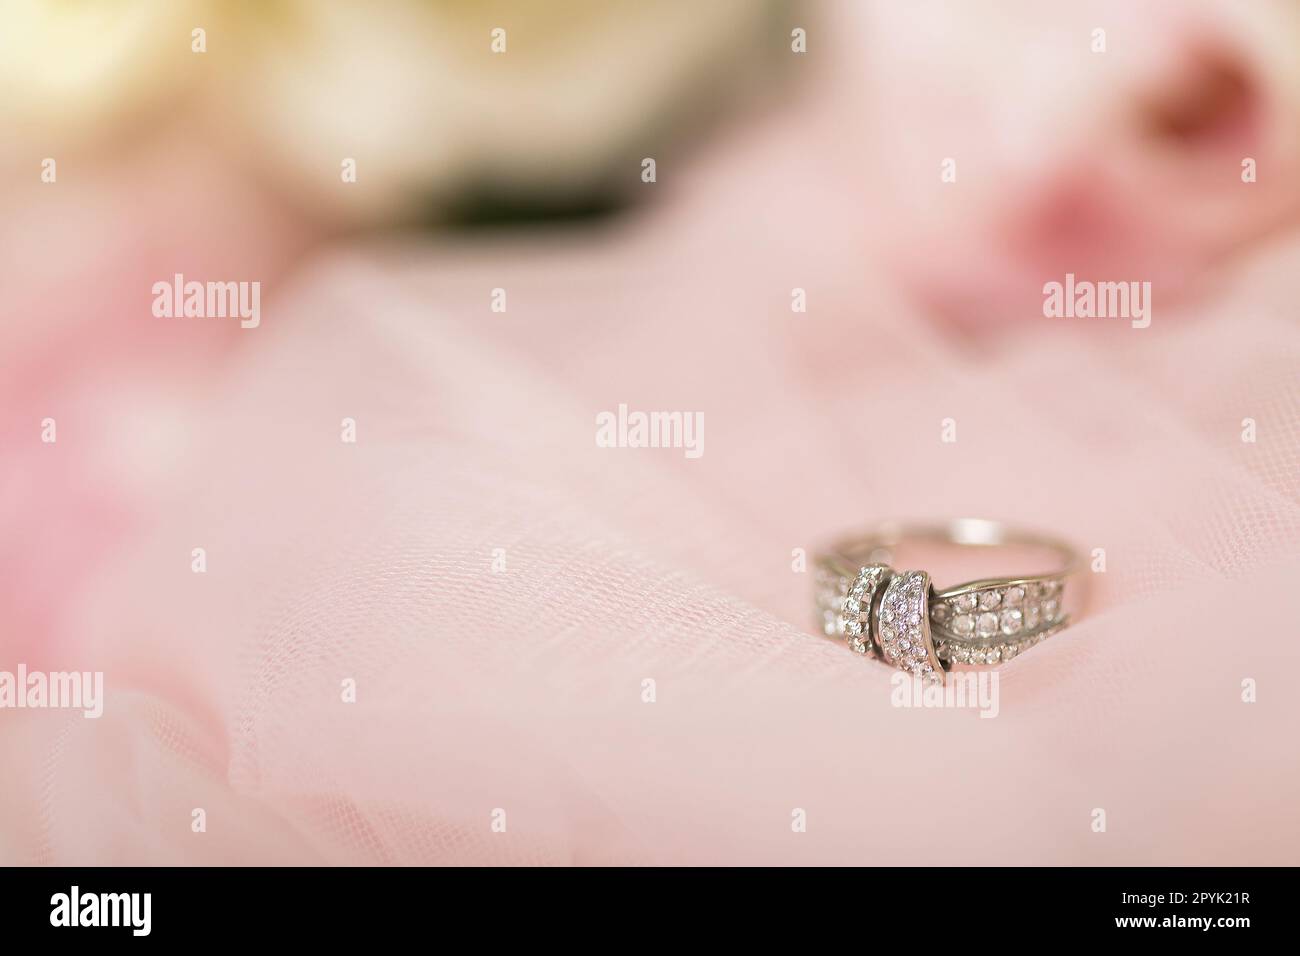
879 544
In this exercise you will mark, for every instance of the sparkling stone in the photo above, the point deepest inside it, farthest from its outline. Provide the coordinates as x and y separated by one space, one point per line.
993 655
965 602
939 613
990 599
853 627
914 619
987 625
858 645
852 607
1031 616
886 615
904 643
1051 609
1013 595
919 651
963 624
887 634
1012 620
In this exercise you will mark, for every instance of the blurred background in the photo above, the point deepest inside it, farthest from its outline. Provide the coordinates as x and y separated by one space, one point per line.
797 145
237 140
1115 158
1090 161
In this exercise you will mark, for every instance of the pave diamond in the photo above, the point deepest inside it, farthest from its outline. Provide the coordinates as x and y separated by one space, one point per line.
855 607
1051 610
882 613
831 589
906 642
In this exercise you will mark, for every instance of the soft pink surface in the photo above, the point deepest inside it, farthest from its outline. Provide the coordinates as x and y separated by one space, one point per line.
521 690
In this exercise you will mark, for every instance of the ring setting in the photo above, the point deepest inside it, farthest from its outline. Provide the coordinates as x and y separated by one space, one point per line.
901 618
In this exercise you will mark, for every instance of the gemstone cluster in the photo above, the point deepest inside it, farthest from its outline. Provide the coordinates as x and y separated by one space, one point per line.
925 632
855 610
987 625
903 626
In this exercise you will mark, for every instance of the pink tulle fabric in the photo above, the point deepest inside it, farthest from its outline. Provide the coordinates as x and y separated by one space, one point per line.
521 689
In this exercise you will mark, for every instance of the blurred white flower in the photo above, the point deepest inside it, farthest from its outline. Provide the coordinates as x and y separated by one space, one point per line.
417 96
411 90
71 70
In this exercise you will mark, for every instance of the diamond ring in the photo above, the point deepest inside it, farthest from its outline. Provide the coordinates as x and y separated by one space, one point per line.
903 619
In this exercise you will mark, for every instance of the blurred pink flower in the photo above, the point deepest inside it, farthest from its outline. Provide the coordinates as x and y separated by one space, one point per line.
1119 165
